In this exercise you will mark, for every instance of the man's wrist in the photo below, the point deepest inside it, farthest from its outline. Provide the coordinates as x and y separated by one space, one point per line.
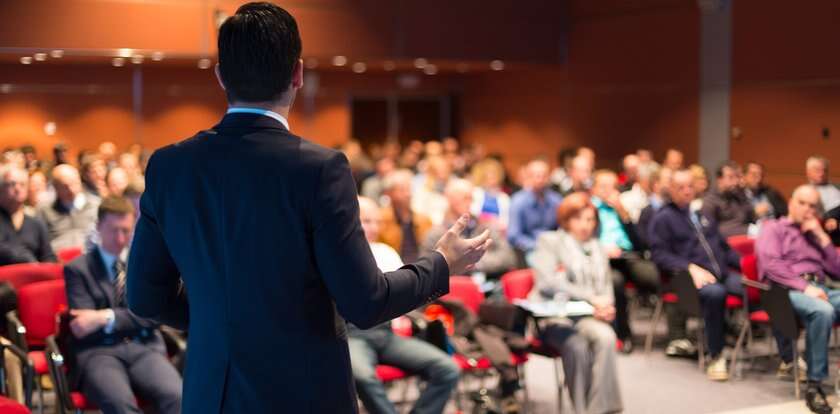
108 319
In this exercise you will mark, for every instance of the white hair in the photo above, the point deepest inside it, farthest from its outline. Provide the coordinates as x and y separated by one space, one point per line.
396 177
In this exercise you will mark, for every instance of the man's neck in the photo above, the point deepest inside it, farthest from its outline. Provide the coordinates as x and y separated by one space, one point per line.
15 214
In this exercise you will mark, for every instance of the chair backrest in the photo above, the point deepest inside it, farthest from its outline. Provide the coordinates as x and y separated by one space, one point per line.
749 268
38 305
782 316
743 244
464 289
517 284
689 298
67 255
24 273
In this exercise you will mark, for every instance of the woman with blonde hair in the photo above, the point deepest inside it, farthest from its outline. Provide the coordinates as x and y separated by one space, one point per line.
490 204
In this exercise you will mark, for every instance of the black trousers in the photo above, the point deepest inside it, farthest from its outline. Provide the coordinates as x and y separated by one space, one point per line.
644 274
111 375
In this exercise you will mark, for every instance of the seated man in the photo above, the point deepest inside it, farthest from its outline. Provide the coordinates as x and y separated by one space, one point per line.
795 252
23 239
687 244
532 210
379 345
499 258
73 215
816 169
617 234
402 229
117 352
729 206
766 201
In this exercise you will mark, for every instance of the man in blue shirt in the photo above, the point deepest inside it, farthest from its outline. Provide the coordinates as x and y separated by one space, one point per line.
532 209
617 234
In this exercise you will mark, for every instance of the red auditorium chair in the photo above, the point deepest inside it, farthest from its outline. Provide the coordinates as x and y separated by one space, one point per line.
67 255
753 288
35 320
22 274
743 244
463 289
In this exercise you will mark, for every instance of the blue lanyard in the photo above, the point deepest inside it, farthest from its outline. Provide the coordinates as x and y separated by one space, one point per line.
257 111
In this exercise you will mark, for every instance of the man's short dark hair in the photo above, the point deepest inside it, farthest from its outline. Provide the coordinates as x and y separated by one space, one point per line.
118 206
726 164
259 47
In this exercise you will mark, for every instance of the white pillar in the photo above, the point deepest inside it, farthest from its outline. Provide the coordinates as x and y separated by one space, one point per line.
715 81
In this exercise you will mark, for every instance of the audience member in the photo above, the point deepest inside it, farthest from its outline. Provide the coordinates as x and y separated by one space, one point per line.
685 243
673 159
402 229
532 210
816 170
116 352
728 205
630 171
637 197
108 153
795 252
490 203
700 182
560 179
37 194
59 155
373 187
645 156
30 158
766 201
94 177
428 198
117 180
617 235
72 215
129 163
571 264
499 258
23 238
580 175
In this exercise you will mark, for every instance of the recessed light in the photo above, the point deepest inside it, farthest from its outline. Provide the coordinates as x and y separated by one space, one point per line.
5 88
420 63
118 62
430 69
389 65
26 60
49 128
137 59
125 52
204 63
57 54
497 65
40 57
157 56
339 60
359 67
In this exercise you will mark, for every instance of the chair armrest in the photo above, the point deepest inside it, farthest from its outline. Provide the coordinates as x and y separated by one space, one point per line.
16 330
27 369
754 284
58 374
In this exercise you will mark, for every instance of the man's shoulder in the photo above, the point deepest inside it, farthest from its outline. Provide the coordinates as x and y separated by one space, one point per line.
81 264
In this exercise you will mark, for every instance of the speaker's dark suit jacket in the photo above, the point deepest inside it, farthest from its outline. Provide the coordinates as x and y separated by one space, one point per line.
263 227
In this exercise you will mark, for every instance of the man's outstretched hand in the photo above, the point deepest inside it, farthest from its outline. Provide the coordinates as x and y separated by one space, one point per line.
462 254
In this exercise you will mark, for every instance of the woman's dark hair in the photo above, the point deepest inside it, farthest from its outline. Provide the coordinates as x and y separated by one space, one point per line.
258 49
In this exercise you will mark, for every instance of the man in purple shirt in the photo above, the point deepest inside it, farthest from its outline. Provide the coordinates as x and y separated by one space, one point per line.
795 252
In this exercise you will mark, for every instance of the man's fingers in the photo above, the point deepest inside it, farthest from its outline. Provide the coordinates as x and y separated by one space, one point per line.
479 241
460 225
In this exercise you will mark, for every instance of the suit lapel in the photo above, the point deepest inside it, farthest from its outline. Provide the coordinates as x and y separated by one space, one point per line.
101 279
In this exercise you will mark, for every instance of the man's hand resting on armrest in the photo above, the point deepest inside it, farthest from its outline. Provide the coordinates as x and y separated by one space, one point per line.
462 254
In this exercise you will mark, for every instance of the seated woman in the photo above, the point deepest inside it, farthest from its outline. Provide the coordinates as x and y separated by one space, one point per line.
570 264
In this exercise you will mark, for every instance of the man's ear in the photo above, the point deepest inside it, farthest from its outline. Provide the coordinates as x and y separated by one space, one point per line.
219 77
297 75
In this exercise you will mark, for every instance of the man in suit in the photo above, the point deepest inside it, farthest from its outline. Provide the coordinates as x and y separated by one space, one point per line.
263 228
23 239
73 215
115 350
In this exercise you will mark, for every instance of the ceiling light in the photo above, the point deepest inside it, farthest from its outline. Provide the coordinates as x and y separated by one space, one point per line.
57 54
26 60
5 88
420 63
49 128
339 60
137 59
430 70
125 52
40 57
157 56
389 65
204 63
118 62
497 65
359 67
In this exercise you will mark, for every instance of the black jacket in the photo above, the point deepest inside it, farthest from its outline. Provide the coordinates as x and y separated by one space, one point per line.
263 227
29 244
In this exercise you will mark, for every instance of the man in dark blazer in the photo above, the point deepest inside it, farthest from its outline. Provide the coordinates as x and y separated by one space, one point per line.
263 228
115 351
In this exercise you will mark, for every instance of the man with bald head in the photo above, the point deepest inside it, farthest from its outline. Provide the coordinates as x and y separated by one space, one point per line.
379 345
499 258
23 239
795 252
72 216
684 243
532 209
